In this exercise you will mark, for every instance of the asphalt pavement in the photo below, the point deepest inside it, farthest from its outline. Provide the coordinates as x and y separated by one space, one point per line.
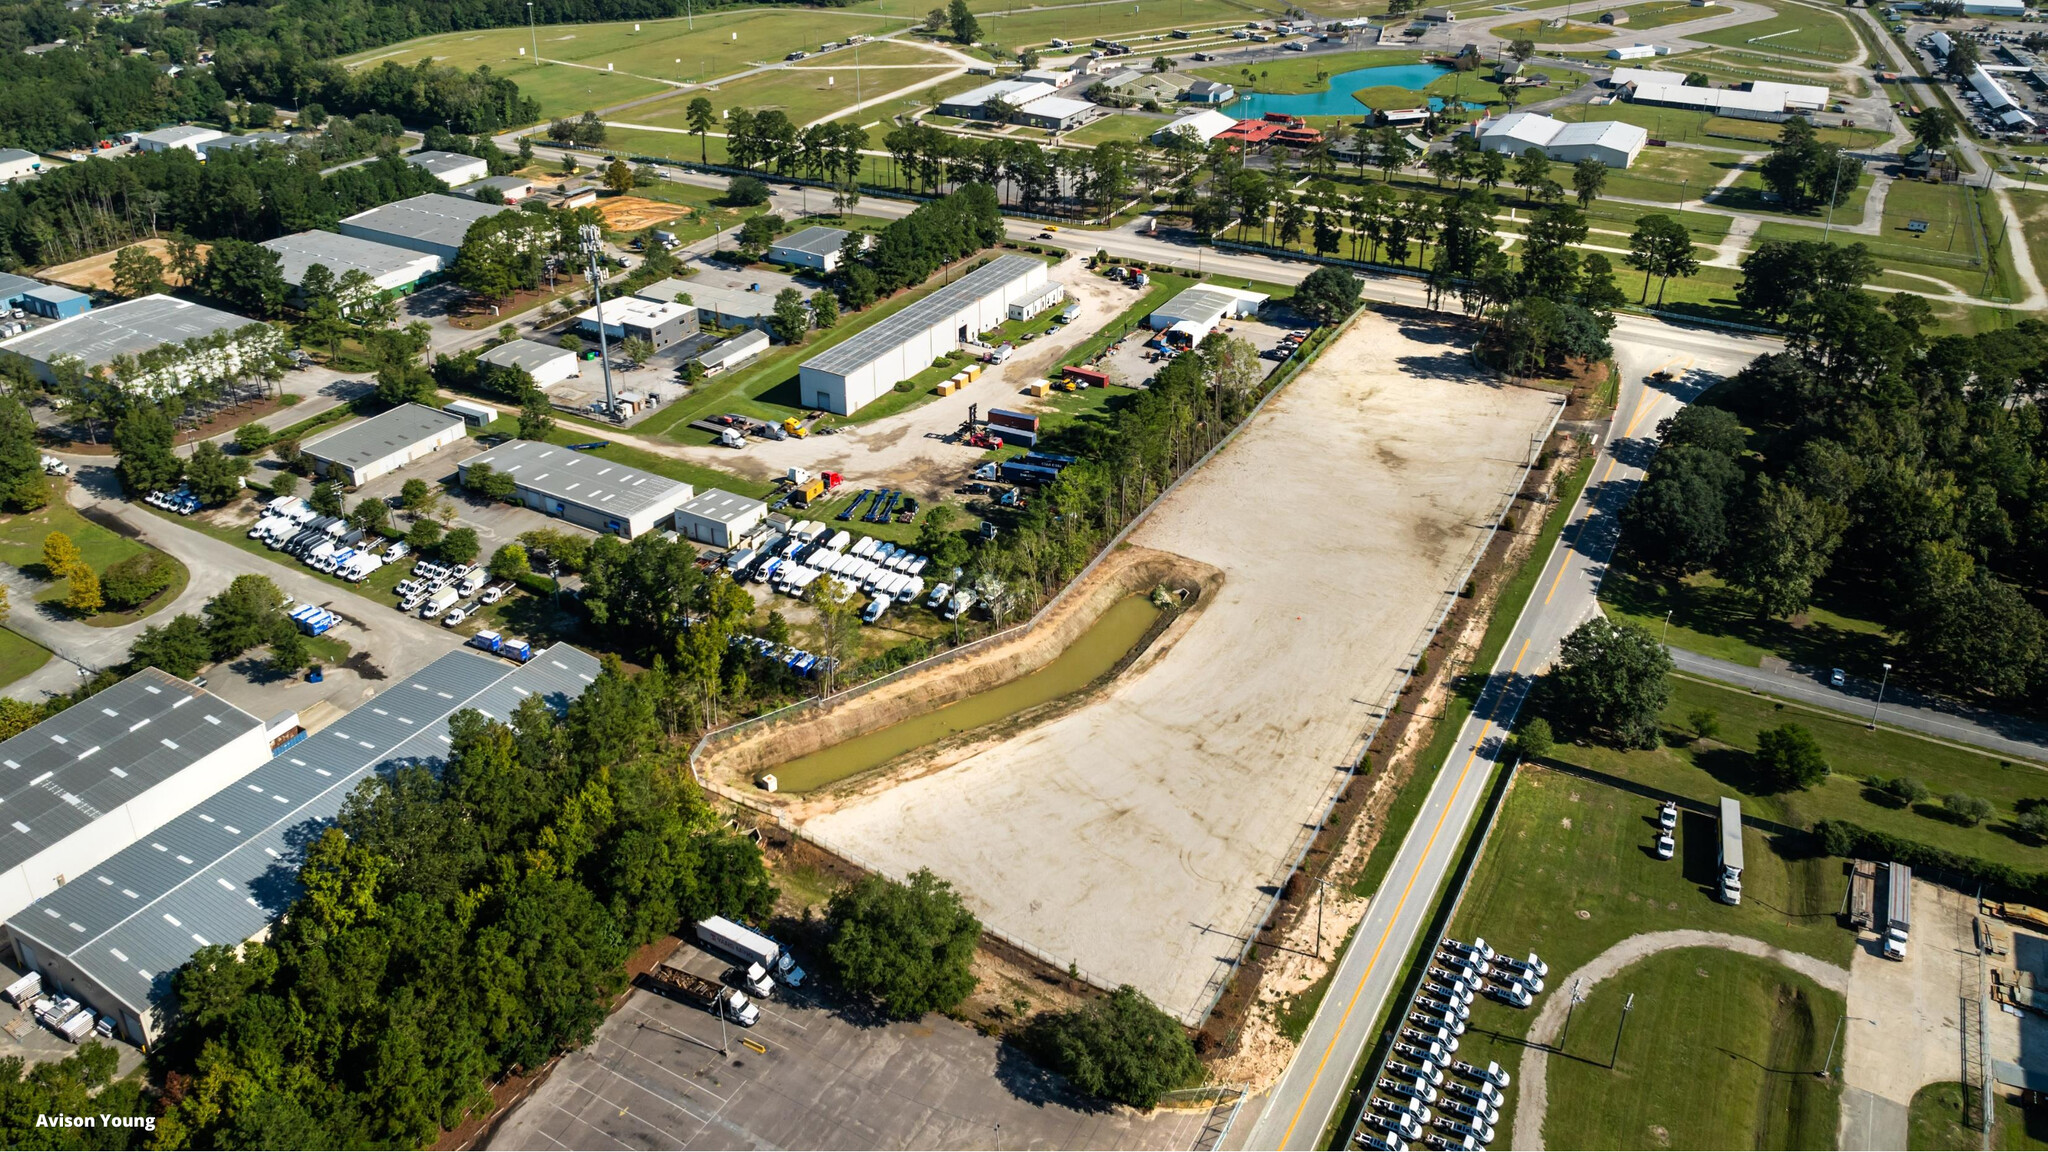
1900 707
1318 1083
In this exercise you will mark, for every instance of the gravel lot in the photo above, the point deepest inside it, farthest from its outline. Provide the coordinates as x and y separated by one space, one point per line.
1138 834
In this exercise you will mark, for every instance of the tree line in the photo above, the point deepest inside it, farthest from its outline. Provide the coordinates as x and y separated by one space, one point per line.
1899 470
244 194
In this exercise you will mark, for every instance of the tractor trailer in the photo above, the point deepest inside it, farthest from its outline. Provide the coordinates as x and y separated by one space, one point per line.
1731 851
749 947
1898 899
709 995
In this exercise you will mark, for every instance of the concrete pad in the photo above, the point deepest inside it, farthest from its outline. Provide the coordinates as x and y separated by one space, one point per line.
1139 835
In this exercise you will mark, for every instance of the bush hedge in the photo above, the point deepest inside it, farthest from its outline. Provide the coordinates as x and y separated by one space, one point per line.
1842 838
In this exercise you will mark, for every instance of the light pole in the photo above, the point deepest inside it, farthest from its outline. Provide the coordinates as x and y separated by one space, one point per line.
1627 1006
1835 193
592 244
531 34
1880 695
1322 887
1827 1064
1665 639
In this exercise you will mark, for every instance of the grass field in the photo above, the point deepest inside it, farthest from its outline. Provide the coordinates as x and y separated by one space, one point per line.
1934 1121
2033 210
1703 770
1659 14
703 215
1712 619
19 656
1037 27
1568 872
1796 29
1542 33
663 53
1719 1051
1717 131
21 545
805 95
1298 74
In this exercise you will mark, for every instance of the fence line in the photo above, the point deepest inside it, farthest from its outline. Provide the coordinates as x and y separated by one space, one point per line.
1304 839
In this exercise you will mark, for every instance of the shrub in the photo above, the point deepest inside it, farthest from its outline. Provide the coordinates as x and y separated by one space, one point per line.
1705 723
909 946
1967 809
1120 1048
1902 791
131 583
1533 741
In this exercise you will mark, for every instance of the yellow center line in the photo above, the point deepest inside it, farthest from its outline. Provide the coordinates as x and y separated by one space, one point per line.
1379 947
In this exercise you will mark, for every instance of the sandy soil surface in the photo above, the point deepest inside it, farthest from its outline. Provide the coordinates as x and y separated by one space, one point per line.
1138 834
909 450
632 213
98 271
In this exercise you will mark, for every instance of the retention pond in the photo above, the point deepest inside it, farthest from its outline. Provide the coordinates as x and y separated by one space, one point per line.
1093 654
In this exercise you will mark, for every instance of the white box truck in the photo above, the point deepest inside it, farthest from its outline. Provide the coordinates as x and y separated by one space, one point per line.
1731 851
1898 919
749 947
439 603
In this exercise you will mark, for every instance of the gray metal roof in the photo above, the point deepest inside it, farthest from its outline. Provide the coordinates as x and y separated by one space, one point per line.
342 254
601 485
435 218
54 294
12 286
178 134
442 163
816 240
8 154
721 507
96 756
527 354
505 184
381 435
937 308
125 329
220 873
752 342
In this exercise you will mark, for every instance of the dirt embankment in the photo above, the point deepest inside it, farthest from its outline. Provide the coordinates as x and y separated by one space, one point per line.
733 764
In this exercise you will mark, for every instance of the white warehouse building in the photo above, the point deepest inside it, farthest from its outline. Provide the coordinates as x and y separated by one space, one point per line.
816 248
1204 126
435 224
719 518
392 270
848 377
384 443
99 337
100 776
596 493
1611 142
548 364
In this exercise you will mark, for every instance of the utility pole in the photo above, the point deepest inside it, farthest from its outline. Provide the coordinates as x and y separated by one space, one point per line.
592 243
531 34
1835 193
1322 887
1626 1007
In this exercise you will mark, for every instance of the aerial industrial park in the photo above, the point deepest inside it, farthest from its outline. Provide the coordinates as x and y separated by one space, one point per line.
1204 576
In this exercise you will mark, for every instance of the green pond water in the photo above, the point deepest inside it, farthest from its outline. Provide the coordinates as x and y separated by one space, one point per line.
1097 650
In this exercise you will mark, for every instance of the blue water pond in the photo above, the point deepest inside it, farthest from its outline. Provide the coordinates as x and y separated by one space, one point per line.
1337 100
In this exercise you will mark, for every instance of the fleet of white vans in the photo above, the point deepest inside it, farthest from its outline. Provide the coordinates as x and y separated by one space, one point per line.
792 562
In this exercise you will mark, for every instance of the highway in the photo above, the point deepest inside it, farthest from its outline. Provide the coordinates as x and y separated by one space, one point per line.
1317 1085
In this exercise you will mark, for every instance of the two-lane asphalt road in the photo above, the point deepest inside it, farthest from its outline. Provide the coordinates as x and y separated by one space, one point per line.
1318 1083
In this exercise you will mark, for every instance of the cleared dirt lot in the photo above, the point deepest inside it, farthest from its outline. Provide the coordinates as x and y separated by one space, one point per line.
97 272
1136 835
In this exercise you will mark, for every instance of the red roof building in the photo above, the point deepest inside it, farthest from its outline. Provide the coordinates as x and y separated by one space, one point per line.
1273 128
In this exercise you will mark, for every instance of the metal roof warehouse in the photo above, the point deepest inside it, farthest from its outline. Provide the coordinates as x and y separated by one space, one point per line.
90 780
125 329
223 871
391 268
597 493
849 375
385 442
434 223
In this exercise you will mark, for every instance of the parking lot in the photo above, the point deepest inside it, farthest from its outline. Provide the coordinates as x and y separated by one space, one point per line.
813 1073
1132 363
2008 61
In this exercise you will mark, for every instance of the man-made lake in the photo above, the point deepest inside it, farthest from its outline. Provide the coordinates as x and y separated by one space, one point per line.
1338 100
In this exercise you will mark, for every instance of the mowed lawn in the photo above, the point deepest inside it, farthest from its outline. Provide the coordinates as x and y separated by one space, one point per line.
1542 33
805 95
594 65
1705 769
1568 872
1720 1050
1796 29
1935 1121
19 656
1660 14
1129 23
21 545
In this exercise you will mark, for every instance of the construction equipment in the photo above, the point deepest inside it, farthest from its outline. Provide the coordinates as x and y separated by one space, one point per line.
808 492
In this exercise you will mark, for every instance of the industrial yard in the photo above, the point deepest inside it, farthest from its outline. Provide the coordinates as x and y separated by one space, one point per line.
1133 834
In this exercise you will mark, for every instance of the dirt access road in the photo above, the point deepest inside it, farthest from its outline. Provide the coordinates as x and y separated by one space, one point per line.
1138 834
907 450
